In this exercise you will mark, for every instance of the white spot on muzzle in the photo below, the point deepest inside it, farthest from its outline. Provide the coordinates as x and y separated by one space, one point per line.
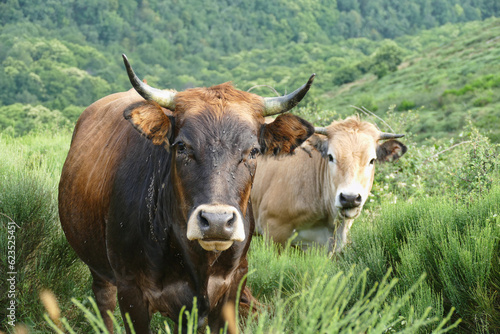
209 243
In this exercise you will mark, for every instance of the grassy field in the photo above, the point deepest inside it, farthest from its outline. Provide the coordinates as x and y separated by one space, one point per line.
424 253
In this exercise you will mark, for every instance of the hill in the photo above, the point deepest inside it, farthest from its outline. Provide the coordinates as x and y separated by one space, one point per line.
59 56
450 76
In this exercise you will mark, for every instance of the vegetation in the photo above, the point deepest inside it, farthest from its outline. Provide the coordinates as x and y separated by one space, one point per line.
448 83
429 235
446 224
62 55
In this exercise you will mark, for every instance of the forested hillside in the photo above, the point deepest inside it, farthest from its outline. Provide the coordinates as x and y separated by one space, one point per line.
427 68
58 56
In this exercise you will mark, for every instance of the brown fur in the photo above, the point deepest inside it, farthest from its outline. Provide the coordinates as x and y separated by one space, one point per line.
151 120
218 98
279 135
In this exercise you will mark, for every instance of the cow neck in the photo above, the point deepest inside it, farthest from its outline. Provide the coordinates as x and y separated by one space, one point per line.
157 197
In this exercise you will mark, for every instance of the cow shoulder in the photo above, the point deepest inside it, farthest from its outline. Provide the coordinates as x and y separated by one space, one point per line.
286 133
151 120
390 150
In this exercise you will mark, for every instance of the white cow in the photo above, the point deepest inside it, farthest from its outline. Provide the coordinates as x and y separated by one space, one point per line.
320 190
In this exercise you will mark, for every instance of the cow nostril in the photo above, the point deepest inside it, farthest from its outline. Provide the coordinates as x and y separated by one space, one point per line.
342 198
358 200
231 221
203 221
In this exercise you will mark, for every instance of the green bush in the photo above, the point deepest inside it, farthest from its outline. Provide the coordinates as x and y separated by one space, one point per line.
406 105
346 74
482 101
341 303
386 59
367 101
19 119
460 167
479 167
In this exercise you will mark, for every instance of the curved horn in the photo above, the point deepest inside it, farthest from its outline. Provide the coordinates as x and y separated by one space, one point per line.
320 130
385 135
281 104
164 98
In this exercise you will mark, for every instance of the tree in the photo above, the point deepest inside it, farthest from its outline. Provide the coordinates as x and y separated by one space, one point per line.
386 59
346 74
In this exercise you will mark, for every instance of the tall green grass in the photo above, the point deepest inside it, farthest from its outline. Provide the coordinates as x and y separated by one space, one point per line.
29 172
313 294
321 303
457 244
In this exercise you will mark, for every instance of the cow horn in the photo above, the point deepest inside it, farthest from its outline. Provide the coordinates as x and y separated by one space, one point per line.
165 98
320 130
281 104
385 135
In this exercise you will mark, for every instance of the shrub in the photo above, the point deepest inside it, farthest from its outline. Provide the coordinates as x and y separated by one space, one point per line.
340 303
346 74
481 102
406 105
367 101
386 59
479 168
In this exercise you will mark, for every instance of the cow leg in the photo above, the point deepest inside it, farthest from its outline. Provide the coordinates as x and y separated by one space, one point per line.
105 295
278 231
248 304
131 301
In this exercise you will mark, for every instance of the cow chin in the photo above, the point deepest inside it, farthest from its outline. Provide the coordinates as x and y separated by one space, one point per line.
215 246
349 213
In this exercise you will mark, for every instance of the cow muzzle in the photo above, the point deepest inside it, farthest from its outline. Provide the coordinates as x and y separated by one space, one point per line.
349 205
216 227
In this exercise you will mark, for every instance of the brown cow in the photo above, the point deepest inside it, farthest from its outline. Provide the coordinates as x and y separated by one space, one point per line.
154 194
318 193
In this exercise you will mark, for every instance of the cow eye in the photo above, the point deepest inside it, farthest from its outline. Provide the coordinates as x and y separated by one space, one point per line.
181 147
372 161
253 153
331 158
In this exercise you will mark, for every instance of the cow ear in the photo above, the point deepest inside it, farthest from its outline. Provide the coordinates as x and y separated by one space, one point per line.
286 133
390 150
151 120
319 143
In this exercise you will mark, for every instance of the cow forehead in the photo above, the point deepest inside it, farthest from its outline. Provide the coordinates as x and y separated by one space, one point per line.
220 101
218 131
353 139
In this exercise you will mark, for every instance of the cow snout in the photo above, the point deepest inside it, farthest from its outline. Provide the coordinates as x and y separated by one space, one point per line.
217 225
349 201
